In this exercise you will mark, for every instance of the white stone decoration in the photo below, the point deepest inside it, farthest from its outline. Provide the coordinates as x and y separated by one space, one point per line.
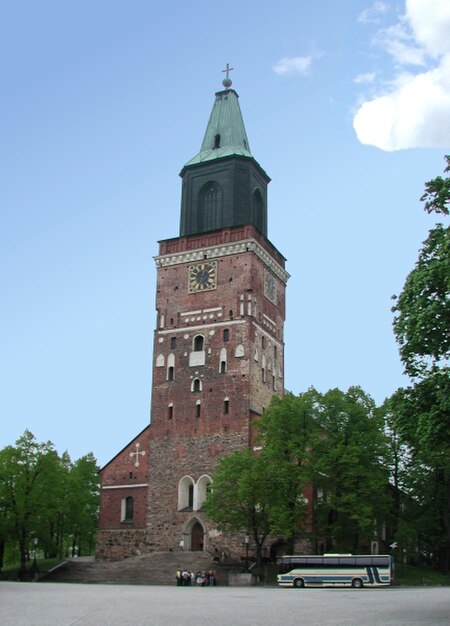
137 453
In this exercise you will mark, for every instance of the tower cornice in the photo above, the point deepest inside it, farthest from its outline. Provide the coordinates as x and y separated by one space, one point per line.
221 250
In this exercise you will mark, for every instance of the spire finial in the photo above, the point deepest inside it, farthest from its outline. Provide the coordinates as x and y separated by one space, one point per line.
227 82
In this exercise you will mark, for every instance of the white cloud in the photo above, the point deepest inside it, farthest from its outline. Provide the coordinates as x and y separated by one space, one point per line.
293 65
430 22
399 42
413 109
369 77
373 13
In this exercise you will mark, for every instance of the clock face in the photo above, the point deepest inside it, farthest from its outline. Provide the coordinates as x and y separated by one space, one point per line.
202 277
270 290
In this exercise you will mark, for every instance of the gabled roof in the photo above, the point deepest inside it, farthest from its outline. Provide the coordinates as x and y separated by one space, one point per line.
147 428
225 134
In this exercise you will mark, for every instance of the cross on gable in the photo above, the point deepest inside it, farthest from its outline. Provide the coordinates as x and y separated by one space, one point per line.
137 453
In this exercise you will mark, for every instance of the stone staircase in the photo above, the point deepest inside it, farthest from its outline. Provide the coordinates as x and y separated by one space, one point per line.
156 568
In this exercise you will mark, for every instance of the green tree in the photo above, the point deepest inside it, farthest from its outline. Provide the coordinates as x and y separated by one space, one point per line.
422 311
437 192
46 499
26 470
422 411
422 415
82 504
240 499
287 432
349 463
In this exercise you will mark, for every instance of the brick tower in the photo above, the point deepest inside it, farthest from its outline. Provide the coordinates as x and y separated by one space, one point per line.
218 354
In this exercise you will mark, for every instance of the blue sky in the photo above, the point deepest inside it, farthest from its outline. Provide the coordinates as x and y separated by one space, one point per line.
347 108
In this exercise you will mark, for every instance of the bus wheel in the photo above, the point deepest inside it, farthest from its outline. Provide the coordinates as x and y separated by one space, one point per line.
357 583
299 582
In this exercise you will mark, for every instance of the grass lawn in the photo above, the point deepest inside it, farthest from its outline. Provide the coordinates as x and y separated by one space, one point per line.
43 565
412 575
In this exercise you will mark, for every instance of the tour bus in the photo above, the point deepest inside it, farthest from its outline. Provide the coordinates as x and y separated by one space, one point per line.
336 569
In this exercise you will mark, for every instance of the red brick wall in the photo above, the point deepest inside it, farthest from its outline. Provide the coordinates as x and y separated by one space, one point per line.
119 479
182 443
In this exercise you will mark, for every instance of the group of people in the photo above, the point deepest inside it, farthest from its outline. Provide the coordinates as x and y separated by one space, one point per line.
186 578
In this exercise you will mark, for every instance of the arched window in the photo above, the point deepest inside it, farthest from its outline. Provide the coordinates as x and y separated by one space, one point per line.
223 361
170 367
258 210
198 408
217 141
226 335
226 406
170 411
197 356
127 509
196 385
210 206
199 342
202 489
186 494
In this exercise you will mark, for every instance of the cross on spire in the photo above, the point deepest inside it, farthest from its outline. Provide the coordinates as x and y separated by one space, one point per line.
228 70
227 82
137 453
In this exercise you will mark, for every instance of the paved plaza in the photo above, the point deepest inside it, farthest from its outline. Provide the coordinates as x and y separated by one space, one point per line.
53 604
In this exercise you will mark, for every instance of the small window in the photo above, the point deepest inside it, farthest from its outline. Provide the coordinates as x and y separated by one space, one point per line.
196 385
170 373
127 511
226 406
263 341
170 411
198 343
274 352
198 408
217 141
223 367
226 334
173 343
380 561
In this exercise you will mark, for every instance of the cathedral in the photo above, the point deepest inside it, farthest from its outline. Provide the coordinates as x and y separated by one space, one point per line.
218 353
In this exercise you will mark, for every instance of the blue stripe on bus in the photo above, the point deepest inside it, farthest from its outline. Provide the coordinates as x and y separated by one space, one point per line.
372 577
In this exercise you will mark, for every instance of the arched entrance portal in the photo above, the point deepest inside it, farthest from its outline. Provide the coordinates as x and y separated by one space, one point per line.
197 538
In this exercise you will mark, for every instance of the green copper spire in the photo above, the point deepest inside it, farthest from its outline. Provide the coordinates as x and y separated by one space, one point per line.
225 134
223 186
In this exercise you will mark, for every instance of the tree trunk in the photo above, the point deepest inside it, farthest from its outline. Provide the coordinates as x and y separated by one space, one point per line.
22 555
2 551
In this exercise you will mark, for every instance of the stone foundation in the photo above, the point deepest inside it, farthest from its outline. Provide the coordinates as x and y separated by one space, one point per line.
115 545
